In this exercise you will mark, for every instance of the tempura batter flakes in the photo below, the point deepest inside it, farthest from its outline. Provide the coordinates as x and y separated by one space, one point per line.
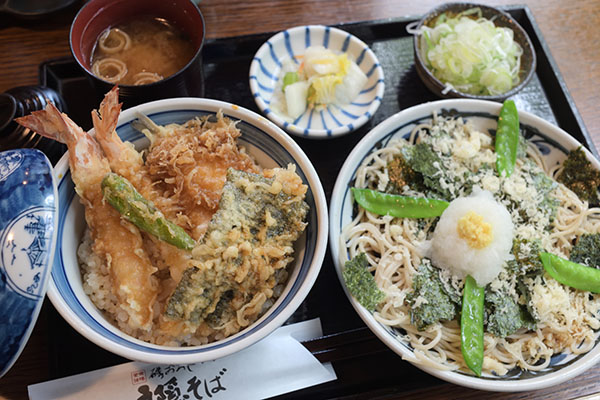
245 250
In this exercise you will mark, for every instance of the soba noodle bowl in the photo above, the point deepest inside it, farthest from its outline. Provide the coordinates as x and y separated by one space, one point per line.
547 216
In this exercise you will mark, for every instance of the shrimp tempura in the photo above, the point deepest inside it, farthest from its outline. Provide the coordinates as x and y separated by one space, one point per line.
117 241
126 161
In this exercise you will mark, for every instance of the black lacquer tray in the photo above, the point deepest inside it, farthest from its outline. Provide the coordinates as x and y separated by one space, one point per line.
365 367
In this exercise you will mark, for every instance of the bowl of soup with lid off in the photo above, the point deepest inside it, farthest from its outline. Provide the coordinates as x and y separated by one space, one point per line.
152 49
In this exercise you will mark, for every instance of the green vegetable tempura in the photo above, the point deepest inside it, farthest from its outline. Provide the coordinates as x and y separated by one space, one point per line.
121 194
579 175
504 315
424 160
430 303
361 283
587 250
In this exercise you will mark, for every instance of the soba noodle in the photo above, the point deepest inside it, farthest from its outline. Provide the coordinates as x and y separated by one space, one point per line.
567 319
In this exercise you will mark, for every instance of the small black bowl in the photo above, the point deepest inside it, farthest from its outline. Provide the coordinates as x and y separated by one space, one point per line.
98 15
501 19
21 101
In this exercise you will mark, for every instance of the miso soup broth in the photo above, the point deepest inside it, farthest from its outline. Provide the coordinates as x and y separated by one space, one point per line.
139 51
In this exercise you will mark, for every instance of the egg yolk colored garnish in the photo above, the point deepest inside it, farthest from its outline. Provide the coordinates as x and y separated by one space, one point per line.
474 230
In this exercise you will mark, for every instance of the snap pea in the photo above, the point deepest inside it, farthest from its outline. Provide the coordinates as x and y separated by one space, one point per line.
471 325
571 274
121 194
507 138
398 206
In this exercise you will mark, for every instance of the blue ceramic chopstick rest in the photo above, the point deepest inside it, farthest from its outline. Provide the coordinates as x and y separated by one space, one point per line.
28 222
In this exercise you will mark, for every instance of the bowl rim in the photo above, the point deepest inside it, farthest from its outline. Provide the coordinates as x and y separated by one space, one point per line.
453 93
237 113
312 133
346 174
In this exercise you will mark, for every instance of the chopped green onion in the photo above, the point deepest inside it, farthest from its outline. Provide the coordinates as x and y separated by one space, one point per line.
471 54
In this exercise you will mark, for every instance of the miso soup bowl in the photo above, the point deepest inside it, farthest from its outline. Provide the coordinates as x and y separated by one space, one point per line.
98 15
270 147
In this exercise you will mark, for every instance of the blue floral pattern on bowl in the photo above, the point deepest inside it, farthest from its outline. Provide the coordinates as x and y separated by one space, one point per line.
334 119
28 217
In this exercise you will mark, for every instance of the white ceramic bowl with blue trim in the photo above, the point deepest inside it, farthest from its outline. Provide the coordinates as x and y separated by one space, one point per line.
270 147
553 143
333 120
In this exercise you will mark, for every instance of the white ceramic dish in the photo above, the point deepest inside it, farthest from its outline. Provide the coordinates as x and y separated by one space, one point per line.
334 120
271 147
553 143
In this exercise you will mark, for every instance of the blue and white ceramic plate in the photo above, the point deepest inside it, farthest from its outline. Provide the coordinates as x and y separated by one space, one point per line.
333 120
270 147
28 219
553 143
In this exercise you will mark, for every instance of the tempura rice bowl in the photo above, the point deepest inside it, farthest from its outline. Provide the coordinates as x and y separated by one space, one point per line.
270 147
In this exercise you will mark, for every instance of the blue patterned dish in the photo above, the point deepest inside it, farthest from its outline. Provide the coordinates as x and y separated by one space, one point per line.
333 120
28 219
553 144
270 147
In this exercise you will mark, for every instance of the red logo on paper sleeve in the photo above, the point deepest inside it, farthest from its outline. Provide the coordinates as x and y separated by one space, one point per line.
138 377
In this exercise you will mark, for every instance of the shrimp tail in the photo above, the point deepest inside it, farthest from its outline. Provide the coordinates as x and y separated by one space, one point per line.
105 122
84 151
49 122
124 159
109 111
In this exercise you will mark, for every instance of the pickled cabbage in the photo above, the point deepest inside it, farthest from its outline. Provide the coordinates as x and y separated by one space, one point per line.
323 77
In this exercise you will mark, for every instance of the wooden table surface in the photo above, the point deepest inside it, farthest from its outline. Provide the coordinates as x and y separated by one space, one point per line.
571 30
